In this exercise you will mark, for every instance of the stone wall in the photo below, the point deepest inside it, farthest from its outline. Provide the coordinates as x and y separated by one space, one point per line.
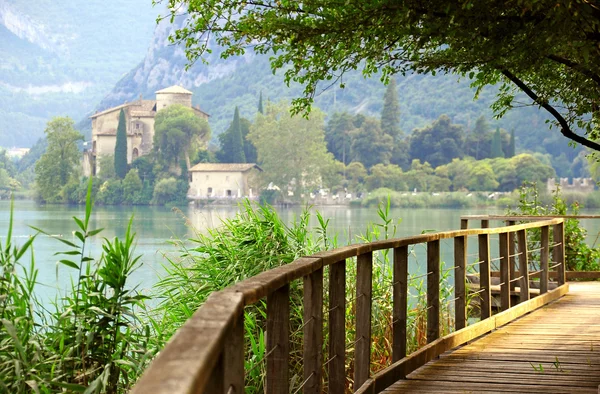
580 185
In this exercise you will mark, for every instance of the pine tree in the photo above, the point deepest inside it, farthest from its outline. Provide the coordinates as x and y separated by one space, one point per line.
260 104
496 150
121 148
511 145
390 114
237 141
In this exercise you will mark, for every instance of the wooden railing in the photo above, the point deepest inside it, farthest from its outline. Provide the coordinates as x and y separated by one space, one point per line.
509 220
206 355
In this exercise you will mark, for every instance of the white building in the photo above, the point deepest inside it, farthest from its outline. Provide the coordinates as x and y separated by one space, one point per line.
223 180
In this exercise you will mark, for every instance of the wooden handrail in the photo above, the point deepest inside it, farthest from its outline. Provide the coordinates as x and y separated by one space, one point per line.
206 355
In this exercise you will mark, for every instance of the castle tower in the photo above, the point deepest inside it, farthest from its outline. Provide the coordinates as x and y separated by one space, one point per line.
173 95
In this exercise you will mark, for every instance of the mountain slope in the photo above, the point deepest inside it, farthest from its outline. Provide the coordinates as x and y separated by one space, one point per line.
58 58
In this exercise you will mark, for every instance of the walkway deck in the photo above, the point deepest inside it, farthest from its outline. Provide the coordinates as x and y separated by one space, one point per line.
555 349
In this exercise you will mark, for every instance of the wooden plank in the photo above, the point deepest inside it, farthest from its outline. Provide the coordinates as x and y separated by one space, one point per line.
233 357
544 254
337 327
559 251
460 280
504 272
400 303
215 380
313 332
433 290
278 341
484 276
364 286
523 265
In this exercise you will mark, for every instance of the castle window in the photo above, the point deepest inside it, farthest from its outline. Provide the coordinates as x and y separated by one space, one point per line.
137 126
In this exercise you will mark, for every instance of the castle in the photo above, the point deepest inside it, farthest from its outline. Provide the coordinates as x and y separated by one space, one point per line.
139 116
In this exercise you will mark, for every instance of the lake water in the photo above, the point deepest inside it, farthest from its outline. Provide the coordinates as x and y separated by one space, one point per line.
156 226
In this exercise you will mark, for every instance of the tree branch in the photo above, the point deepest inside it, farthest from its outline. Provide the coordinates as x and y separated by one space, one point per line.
564 125
575 66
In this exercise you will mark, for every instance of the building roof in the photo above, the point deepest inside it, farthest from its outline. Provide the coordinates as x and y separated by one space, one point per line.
138 105
224 167
174 89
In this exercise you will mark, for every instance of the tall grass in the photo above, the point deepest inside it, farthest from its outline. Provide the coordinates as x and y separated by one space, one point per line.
90 340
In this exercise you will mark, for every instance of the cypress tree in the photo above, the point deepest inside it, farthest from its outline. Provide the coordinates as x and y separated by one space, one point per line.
237 141
121 148
496 150
511 145
390 114
260 104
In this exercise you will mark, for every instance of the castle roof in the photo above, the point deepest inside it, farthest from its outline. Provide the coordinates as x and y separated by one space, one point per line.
138 105
174 89
224 167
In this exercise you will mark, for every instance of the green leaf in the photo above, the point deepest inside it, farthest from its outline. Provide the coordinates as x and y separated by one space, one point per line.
79 223
69 263
71 386
94 232
70 253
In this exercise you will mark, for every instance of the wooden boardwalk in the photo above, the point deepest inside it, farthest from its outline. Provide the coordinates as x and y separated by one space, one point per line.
555 349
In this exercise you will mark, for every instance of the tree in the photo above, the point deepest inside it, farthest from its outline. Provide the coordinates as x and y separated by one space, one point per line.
478 142
370 145
496 149
132 187
511 145
482 177
438 143
546 49
260 104
390 114
178 132
54 169
121 147
226 153
237 142
291 149
338 136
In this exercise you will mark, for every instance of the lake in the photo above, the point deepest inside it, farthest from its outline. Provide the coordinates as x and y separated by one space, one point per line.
156 226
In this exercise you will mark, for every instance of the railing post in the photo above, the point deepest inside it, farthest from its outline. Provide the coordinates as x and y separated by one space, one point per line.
278 341
485 296
433 290
460 279
511 252
337 327
504 272
364 286
559 252
464 224
544 254
400 295
233 357
523 265
313 332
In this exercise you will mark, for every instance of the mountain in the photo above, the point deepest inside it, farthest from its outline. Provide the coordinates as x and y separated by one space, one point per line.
59 58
